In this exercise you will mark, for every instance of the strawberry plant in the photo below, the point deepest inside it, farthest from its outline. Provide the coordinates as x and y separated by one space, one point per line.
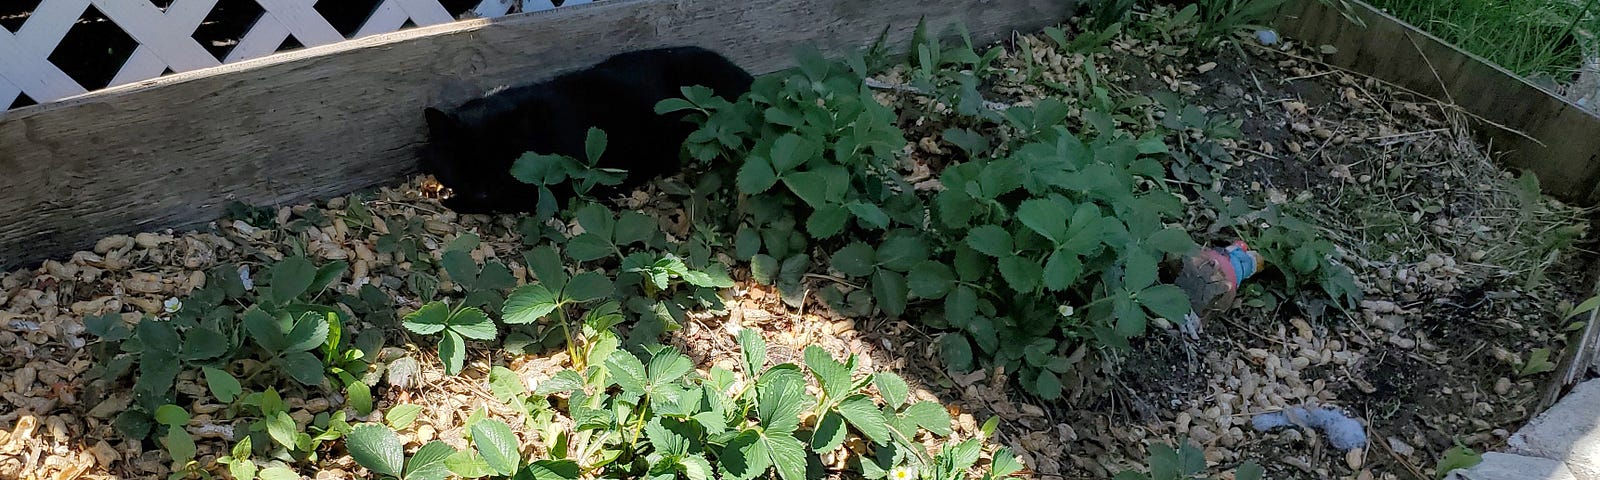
651 415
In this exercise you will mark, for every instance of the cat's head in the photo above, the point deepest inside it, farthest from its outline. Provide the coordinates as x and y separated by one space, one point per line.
474 163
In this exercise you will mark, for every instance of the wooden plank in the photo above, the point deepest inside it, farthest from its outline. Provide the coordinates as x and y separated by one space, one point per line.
1564 148
318 122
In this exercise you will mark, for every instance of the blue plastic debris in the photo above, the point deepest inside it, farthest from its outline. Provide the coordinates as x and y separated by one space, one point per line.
1343 432
1267 36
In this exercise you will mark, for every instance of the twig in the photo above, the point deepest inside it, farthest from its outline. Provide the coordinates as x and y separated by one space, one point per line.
837 280
1375 438
1442 87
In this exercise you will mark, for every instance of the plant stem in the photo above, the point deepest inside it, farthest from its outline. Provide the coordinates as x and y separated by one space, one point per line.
566 331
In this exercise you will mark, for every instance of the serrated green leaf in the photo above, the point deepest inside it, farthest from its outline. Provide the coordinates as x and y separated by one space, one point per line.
961 305
893 388
956 352
1061 270
453 352
827 221
472 323
422 284
1047 385
829 433
931 279
553 470
377 448
588 286
589 246
666 440
223 385
890 291
1249 471
668 365
990 240
546 265
465 242
902 250
461 268
302 367
628 372
527 304
1166 301
497 445
504 384
831 374
790 151
1048 218
290 278
309 332
634 227
824 186
468 464
1139 270
962 456
539 169
673 104
764 269
745 457
202 343
755 176
1022 274
753 349
747 243
429 462
855 259
1171 240
594 144
496 276
869 214
788 455
930 416
429 319
1130 320
562 382
866 418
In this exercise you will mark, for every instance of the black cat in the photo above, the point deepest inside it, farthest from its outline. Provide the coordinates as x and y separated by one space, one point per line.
473 147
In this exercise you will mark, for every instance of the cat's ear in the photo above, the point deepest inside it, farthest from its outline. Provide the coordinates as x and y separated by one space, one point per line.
439 122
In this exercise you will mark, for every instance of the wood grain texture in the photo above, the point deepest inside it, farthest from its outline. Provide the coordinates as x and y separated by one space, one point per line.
1566 155
320 122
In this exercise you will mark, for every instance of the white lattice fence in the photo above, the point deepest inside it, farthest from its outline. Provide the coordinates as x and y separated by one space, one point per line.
166 37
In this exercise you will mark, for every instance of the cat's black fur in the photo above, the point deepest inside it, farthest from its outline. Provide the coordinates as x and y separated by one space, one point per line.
473 147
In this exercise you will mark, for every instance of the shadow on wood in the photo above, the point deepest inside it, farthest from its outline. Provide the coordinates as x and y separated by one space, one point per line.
1564 151
171 152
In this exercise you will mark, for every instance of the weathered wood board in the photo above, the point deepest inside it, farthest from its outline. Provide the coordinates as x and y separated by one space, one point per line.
171 152
1565 150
